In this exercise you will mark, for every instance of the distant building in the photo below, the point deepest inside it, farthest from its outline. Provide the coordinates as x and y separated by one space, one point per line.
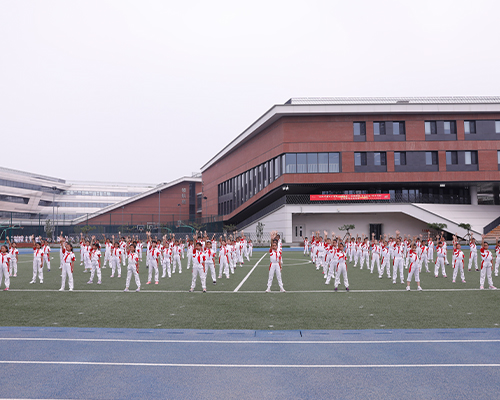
379 163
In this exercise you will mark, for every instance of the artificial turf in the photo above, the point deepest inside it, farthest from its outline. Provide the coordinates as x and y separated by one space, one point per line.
307 304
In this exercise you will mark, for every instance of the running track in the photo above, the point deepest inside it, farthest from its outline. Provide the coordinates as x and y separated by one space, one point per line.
78 363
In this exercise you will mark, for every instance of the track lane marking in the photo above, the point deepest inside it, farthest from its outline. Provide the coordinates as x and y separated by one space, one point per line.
246 277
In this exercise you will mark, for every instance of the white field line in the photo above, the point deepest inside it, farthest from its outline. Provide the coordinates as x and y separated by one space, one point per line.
249 291
208 341
246 277
339 366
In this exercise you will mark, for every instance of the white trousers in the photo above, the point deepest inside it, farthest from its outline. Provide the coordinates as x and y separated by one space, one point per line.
414 272
223 267
13 267
398 266
497 264
131 269
211 266
95 268
386 265
341 270
190 260
166 267
439 263
4 271
37 269
66 271
331 271
115 265
46 260
107 258
199 270
153 264
458 265
485 272
375 260
364 257
176 262
472 260
274 268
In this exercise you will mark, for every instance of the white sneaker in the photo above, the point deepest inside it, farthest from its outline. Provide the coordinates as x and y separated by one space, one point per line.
493 287
126 289
61 290
481 287
408 288
419 288
268 290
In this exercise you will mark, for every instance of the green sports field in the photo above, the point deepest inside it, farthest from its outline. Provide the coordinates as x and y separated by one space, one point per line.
308 303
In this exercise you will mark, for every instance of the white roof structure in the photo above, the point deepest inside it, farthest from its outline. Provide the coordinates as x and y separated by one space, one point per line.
302 106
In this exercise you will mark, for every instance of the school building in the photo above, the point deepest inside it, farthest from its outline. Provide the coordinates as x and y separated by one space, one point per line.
381 164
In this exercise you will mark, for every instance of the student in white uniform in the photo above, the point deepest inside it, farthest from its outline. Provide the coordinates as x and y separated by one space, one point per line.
386 261
132 268
46 254
68 265
95 262
486 266
440 259
341 268
472 255
458 263
199 268
5 258
153 263
116 254
275 266
497 257
14 258
209 261
414 267
37 261
398 261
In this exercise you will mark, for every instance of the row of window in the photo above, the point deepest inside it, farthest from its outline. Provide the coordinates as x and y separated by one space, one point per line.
431 158
45 203
431 127
98 193
29 186
14 199
33 216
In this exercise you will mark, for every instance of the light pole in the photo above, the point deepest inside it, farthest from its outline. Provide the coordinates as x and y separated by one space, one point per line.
159 229
53 204
179 205
205 198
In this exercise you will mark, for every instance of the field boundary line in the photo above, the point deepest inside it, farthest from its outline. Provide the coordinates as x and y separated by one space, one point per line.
246 277
117 364
208 341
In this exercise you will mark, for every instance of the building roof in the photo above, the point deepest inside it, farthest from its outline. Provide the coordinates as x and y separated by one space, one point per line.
396 100
303 106
156 189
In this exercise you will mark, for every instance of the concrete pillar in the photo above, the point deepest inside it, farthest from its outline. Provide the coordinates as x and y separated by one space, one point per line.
473 195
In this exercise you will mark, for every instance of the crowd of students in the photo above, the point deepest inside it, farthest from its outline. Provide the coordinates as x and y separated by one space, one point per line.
331 254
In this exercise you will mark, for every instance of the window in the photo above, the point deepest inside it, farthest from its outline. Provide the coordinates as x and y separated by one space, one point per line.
470 127
379 158
431 157
498 156
379 128
359 128
430 128
312 162
399 158
450 127
398 128
333 162
291 163
277 173
301 163
451 157
322 162
265 174
470 157
497 126
360 158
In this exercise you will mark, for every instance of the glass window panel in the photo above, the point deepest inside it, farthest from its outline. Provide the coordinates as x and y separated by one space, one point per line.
497 126
291 163
498 156
448 157
301 163
357 158
428 158
312 162
447 127
376 128
334 162
357 129
395 128
473 157
264 174
466 127
397 159
271 171
376 158
277 168
402 158
468 160
323 162
427 127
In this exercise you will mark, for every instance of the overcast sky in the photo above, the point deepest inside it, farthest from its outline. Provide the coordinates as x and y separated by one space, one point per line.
148 91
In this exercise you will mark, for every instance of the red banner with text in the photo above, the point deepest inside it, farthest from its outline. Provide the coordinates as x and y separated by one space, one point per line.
349 197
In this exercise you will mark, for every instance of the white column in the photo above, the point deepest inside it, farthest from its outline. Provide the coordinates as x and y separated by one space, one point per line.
473 195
